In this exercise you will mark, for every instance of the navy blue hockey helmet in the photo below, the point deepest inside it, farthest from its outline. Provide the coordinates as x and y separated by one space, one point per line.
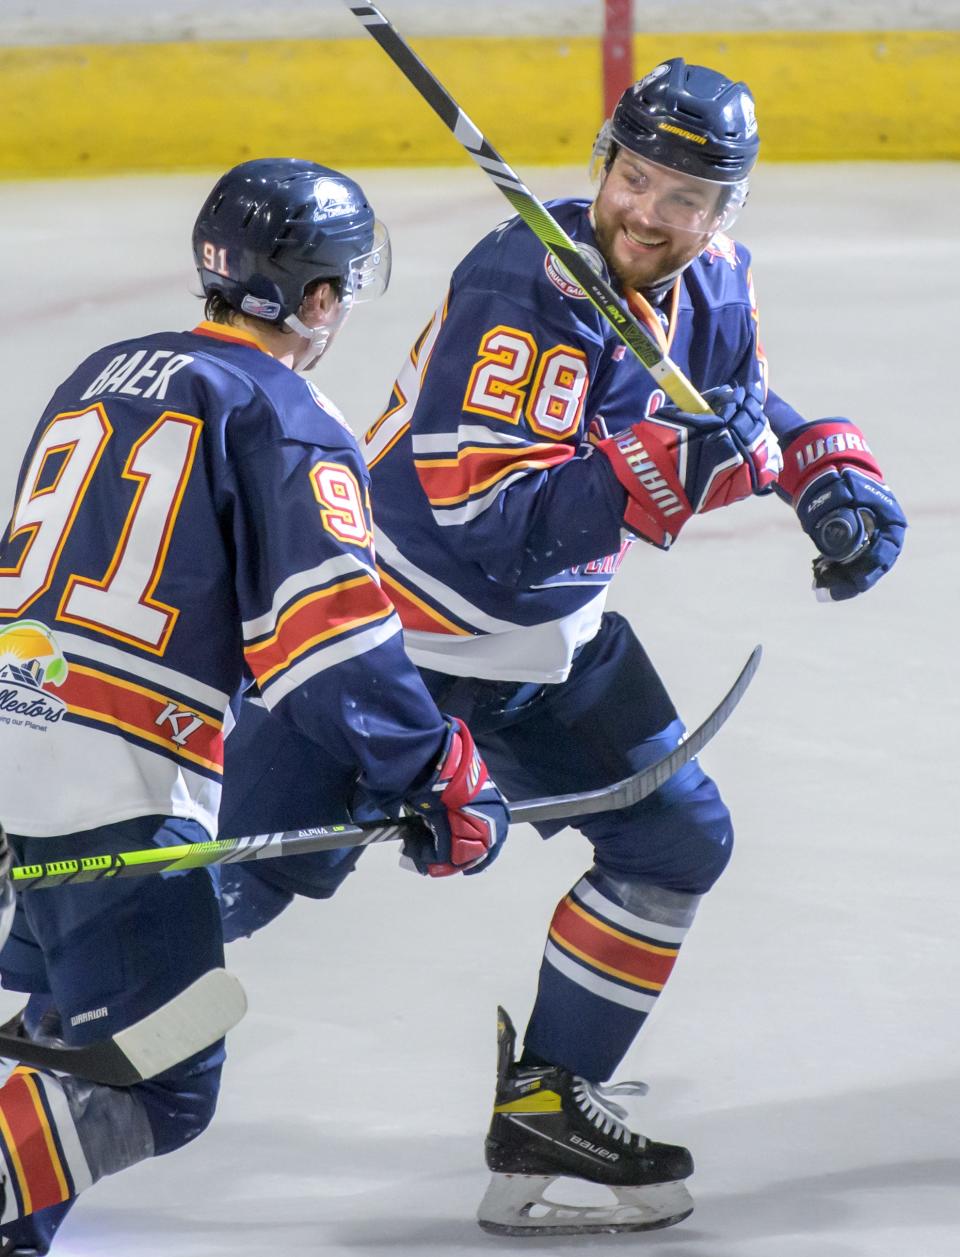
273 226
689 118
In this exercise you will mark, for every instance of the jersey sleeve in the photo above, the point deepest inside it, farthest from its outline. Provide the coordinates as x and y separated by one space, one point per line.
735 353
784 420
498 438
320 636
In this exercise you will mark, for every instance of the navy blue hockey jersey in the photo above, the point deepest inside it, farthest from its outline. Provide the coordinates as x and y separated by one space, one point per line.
498 526
191 515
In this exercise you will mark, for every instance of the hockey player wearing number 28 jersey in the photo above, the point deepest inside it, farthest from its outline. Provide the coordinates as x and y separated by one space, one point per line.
192 515
523 449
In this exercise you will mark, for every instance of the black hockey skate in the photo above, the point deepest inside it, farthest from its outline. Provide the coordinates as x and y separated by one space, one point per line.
550 1125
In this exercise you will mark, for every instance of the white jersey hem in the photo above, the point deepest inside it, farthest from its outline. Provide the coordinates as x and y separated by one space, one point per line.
540 653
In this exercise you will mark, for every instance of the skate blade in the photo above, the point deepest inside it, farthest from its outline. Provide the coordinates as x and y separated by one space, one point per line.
517 1205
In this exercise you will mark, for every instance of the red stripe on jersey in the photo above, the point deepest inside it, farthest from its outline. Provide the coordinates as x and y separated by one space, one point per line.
316 618
449 480
167 723
31 1148
609 949
414 613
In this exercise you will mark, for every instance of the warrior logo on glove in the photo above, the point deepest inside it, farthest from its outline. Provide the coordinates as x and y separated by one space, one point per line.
674 464
837 489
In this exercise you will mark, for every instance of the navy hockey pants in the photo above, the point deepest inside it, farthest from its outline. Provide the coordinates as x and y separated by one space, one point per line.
610 718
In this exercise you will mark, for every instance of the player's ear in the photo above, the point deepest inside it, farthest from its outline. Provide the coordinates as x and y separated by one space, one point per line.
320 299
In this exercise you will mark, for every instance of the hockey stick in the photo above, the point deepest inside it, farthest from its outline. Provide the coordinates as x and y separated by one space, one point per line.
191 1021
333 837
537 217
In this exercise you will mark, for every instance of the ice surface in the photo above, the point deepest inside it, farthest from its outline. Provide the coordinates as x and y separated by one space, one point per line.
806 1049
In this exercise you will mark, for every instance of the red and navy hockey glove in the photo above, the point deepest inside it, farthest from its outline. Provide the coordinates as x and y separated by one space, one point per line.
837 489
675 464
466 815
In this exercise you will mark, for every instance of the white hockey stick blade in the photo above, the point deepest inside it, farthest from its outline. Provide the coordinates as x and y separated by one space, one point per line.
193 1020
197 1017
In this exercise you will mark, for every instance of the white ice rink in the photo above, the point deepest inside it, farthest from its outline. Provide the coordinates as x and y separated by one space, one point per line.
807 1047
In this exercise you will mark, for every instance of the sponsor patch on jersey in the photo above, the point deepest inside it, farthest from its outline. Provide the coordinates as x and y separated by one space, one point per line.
31 665
561 278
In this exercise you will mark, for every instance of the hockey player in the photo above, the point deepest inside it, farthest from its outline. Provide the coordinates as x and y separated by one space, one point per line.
191 513
523 450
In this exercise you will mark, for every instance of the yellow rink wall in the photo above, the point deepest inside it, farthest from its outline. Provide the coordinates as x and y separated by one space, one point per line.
98 109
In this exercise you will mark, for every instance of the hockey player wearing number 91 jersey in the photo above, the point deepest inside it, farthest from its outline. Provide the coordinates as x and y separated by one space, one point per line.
192 515
523 449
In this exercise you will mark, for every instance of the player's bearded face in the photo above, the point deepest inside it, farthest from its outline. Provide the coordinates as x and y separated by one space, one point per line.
650 221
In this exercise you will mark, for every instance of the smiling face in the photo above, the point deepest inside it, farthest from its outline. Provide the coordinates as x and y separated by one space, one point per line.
651 221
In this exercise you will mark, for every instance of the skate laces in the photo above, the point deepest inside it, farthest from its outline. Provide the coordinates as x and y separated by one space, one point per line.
595 1101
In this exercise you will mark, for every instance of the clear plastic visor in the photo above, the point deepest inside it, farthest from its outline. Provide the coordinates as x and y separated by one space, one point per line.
369 274
670 197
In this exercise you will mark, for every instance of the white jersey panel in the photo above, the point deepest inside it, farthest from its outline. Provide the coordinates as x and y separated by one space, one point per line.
538 652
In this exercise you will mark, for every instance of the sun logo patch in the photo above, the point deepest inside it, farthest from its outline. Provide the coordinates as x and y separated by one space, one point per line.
31 664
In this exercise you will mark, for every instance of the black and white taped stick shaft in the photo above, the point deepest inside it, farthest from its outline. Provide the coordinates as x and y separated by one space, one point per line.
667 374
334 837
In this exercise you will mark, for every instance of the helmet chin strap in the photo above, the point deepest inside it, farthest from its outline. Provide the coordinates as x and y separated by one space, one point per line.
318 338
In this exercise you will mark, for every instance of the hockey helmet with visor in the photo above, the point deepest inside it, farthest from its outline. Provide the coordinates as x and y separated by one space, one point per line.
700 127
274 227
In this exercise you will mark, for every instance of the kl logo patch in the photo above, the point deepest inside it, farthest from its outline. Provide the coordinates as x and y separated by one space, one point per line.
31 663
183 723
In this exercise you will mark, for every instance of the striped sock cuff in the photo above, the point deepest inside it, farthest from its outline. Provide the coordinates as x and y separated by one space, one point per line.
38 1139
611 950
